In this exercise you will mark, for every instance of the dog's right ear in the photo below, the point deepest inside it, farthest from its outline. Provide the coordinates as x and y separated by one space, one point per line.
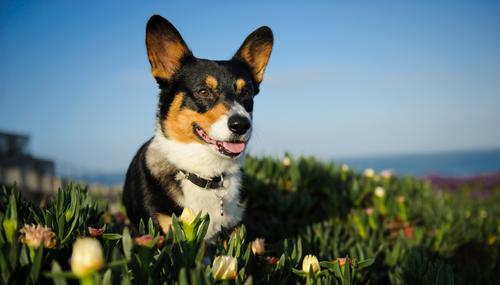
166 48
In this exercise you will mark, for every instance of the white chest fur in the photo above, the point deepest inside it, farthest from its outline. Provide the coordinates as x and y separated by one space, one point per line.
199 159
207 201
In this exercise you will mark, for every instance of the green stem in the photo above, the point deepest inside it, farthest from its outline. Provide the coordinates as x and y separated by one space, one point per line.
32 253
89 280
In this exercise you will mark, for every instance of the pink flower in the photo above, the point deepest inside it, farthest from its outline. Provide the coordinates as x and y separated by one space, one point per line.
145 240
369 211
35 236
96 232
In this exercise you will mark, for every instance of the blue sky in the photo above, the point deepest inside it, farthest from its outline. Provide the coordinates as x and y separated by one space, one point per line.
345 78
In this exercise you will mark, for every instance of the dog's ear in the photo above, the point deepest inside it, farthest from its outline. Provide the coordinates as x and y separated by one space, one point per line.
166 48
256 50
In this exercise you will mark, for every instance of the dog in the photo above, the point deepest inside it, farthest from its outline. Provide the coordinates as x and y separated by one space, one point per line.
203 125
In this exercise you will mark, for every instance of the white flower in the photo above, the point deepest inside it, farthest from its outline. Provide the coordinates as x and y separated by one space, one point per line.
225 268
287 161
188 216
344 167
87 257
258 246
36 236
369 172
379 192
310 262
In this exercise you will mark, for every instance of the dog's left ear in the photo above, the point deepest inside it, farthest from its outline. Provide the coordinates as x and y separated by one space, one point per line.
256 50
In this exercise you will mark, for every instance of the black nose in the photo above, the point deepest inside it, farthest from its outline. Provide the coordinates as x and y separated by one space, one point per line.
238 124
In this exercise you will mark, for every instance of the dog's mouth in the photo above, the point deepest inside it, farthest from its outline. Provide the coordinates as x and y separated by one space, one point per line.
228 148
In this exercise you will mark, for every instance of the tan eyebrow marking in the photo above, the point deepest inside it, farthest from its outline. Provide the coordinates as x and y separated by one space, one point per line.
211 82
240 83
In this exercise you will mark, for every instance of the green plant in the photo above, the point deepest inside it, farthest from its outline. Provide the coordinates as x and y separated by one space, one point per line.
361 227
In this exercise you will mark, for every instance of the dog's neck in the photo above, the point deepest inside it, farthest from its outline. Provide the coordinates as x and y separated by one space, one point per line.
192 157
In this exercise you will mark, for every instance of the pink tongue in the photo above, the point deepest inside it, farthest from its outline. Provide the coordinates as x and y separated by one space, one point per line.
234 147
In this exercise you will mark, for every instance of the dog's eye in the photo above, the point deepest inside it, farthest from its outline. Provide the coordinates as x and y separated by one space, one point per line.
203 92
245 92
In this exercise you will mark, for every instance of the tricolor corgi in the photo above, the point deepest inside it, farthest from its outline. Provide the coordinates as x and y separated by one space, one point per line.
203 125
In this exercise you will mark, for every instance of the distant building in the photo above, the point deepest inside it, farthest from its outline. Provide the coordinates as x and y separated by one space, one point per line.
17 165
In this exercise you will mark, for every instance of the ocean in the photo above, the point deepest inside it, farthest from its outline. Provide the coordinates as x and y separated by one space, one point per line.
456 163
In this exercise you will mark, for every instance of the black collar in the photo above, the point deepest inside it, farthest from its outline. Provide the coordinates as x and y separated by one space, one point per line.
213 183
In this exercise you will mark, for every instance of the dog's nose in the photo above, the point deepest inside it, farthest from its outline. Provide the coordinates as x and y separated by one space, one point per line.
238 124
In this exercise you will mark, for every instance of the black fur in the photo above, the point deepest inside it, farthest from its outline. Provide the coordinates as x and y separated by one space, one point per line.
145 195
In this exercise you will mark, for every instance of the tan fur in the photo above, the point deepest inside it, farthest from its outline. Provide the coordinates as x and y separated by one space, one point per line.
165 55
240 83
211 82
179 121
165 221
257 59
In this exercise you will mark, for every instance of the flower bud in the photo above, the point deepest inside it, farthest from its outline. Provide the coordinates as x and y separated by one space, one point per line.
287 161
310 262
10 227
36 236
342 261
87 257
225 268
258 246
187 216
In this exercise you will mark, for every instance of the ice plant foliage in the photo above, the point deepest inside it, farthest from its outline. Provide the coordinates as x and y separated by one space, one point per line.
361 230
